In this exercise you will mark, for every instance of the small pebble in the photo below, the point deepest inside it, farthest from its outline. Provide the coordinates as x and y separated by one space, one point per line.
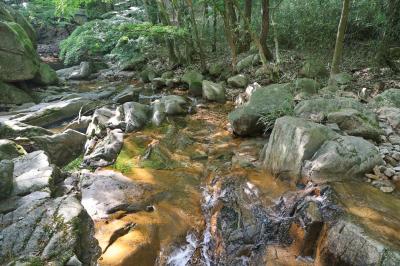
387 189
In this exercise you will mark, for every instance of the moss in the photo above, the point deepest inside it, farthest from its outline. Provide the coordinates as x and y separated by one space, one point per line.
74 165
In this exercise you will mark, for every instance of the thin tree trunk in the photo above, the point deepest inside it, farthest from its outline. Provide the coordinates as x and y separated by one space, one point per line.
265 30
337 55
214 44
277 59
246 41
197 36
229 34
165 20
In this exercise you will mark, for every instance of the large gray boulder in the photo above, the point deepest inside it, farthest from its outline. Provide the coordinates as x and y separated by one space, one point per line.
342 158
213 91
40 229
293 141
270 102
136 115
33 172
299 148
175 105
62 148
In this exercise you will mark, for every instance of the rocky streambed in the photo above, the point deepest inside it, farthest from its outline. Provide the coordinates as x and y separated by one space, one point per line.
117 173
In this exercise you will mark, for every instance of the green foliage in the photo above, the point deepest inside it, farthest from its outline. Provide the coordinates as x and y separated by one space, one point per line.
268 119
74 165
122 38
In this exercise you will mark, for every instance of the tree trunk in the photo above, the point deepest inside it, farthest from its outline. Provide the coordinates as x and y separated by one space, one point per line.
214 43
265 52
197 36
229 34
277 59
165 20
337 55
151 10
246 41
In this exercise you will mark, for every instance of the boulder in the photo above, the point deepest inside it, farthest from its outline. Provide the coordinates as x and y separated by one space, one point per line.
194 80
213 91
354 123
41 230
158 83
391 115
65 73
54 112
341 158
313 69
84 71
18 58
270 102
238 81
6 178
317 109
80 124
62 148
33 172
245 63
292 141
136 115
129 94
9 94
388 98
46 75
175 105
104 151
14 129
10 150
159 113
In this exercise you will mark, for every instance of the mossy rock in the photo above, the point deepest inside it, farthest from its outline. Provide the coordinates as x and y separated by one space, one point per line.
313 69
18 58
306 86
194 79
9 94
46 75
390 97
10 150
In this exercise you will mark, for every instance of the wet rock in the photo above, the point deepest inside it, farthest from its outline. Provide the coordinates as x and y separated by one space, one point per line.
355 123
10 150
104 151
391 115
94 185
63 147
238 81
84 71
292 142
341 158
6 178
65 73
147 75
271 101
9 94
194 80
384 185
49 230
349 243
158 83
213 91
33 172
14 129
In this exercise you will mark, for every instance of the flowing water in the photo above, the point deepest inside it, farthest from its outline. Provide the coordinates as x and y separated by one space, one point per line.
186 153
